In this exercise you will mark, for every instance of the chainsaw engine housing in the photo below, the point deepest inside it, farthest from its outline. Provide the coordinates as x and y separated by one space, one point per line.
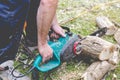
68 52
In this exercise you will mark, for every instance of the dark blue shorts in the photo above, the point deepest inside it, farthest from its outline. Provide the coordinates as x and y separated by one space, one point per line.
31 30
12 17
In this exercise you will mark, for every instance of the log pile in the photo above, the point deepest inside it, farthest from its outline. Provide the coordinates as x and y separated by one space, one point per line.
106 53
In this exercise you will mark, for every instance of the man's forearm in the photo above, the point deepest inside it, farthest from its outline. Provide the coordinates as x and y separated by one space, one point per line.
45 15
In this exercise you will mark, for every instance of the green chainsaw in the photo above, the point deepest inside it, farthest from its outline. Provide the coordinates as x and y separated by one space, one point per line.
64 49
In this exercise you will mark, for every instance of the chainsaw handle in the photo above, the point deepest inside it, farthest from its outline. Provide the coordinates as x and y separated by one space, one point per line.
55 60
66 28
67 31
51 64
38 60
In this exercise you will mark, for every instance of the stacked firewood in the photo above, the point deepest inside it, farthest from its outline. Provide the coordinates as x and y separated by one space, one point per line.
106 53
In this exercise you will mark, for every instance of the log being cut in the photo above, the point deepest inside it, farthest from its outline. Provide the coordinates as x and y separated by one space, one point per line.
98 48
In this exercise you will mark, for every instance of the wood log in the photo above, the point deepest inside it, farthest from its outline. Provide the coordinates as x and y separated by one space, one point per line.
115 58
96 71
117 36
97 48
103 21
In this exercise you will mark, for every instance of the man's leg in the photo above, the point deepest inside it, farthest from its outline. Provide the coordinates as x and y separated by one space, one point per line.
31 29
12 17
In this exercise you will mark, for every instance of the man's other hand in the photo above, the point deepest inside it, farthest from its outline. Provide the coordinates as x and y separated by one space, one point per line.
46 52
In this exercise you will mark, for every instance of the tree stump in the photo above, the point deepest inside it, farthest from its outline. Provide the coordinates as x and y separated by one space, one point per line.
96 70
98 48
103 21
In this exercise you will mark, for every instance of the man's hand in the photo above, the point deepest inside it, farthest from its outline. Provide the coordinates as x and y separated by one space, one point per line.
58 30
56 27
46 52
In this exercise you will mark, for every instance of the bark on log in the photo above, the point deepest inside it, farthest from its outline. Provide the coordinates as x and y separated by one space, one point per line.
96 71
117 36
97 48
103 21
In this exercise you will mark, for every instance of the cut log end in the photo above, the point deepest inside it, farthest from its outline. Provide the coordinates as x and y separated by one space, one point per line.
107 52
115 58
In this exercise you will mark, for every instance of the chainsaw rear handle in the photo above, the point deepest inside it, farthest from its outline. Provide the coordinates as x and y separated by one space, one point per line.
38 60
49 65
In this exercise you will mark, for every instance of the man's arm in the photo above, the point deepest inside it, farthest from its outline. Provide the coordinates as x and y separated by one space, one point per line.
45 15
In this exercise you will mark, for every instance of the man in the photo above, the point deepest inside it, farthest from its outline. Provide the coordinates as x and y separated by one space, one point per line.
12 17
46 19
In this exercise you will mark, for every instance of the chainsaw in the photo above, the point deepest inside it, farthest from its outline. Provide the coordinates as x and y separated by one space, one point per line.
59 47
64 49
